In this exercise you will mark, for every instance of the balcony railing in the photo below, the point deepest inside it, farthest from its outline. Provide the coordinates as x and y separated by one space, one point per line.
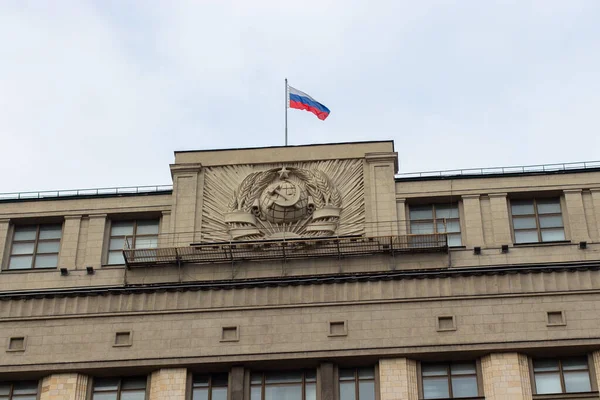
263 250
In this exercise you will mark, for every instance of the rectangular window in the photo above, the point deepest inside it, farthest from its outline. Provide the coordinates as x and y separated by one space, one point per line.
454 380
357 383
569 375
537 220
25 390
436 218
35 246
210 387
133 388
288 385
137 234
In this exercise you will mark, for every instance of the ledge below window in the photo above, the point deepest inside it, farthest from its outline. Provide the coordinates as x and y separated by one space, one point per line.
533 244
570 396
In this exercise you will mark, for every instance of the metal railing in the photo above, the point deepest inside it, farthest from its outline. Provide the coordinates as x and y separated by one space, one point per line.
85 192
504 170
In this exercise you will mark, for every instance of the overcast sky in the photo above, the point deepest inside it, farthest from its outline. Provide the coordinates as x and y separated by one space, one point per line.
100 94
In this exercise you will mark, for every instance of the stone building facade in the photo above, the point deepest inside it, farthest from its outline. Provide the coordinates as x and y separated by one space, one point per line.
304 273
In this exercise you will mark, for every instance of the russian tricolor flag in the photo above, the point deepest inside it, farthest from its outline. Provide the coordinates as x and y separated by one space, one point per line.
301 101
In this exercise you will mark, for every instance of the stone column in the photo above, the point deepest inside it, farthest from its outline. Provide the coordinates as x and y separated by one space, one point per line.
500 219
401 213
69 242
168 384
64 387
398 379
186 218
473 234
236 383
506 377
4 239
380 193
596 202
327 381
95 240
166 238
596 358
576 216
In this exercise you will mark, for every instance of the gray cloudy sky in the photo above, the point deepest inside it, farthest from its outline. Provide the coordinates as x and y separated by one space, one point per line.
100 93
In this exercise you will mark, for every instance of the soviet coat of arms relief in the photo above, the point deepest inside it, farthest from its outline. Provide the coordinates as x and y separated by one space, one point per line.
283 202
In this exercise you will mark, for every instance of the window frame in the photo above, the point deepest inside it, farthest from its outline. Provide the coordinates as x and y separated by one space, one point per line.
447 364
590 370
134 237
263 384
12 383
434 220
536 217
36 241
190 389
357 381
90 388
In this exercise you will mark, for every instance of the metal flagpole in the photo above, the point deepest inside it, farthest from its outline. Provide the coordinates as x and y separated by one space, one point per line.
286 108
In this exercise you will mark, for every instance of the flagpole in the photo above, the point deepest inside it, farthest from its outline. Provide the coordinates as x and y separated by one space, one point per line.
286 111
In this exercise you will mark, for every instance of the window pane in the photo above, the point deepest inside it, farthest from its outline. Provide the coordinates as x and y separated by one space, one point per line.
526 237
435 388
22 248
524 223
50 231
311 391
27 387
454 239
366 390
121 228
48 247
548 383
147 227
548 206
550 235
448 226
434 369
366 373
118 244
116 258
46 261
346 374
104 396
106 384
310 376
446 211
464 386
200 394
220 380
462 368
280 377
291 392
4 389
25 232
545 365
421 227
551 221
24 397
347 390
256 378
521 207
146 242
134 383
421 212
20 262
255 393
577 382
219 393
133 395
574 363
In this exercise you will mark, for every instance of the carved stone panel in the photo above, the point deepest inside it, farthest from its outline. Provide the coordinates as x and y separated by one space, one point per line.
306 199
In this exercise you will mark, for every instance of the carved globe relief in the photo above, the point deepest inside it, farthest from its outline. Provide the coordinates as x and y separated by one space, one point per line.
283 202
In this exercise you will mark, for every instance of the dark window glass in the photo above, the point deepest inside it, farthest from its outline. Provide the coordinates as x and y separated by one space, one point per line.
133 388
22 390
210 387
436 218
357 383
137 234
283 385
454 380
569 375
35 246
537 220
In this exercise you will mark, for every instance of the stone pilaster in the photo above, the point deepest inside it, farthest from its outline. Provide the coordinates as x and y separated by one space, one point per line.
95 240
398 379
4 239
402 220
506 377
186 218
64 387
380 193
576 215
500 218
473 225
168 384
69 241
596 202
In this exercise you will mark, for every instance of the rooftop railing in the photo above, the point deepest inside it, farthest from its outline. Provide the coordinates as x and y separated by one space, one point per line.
115 191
